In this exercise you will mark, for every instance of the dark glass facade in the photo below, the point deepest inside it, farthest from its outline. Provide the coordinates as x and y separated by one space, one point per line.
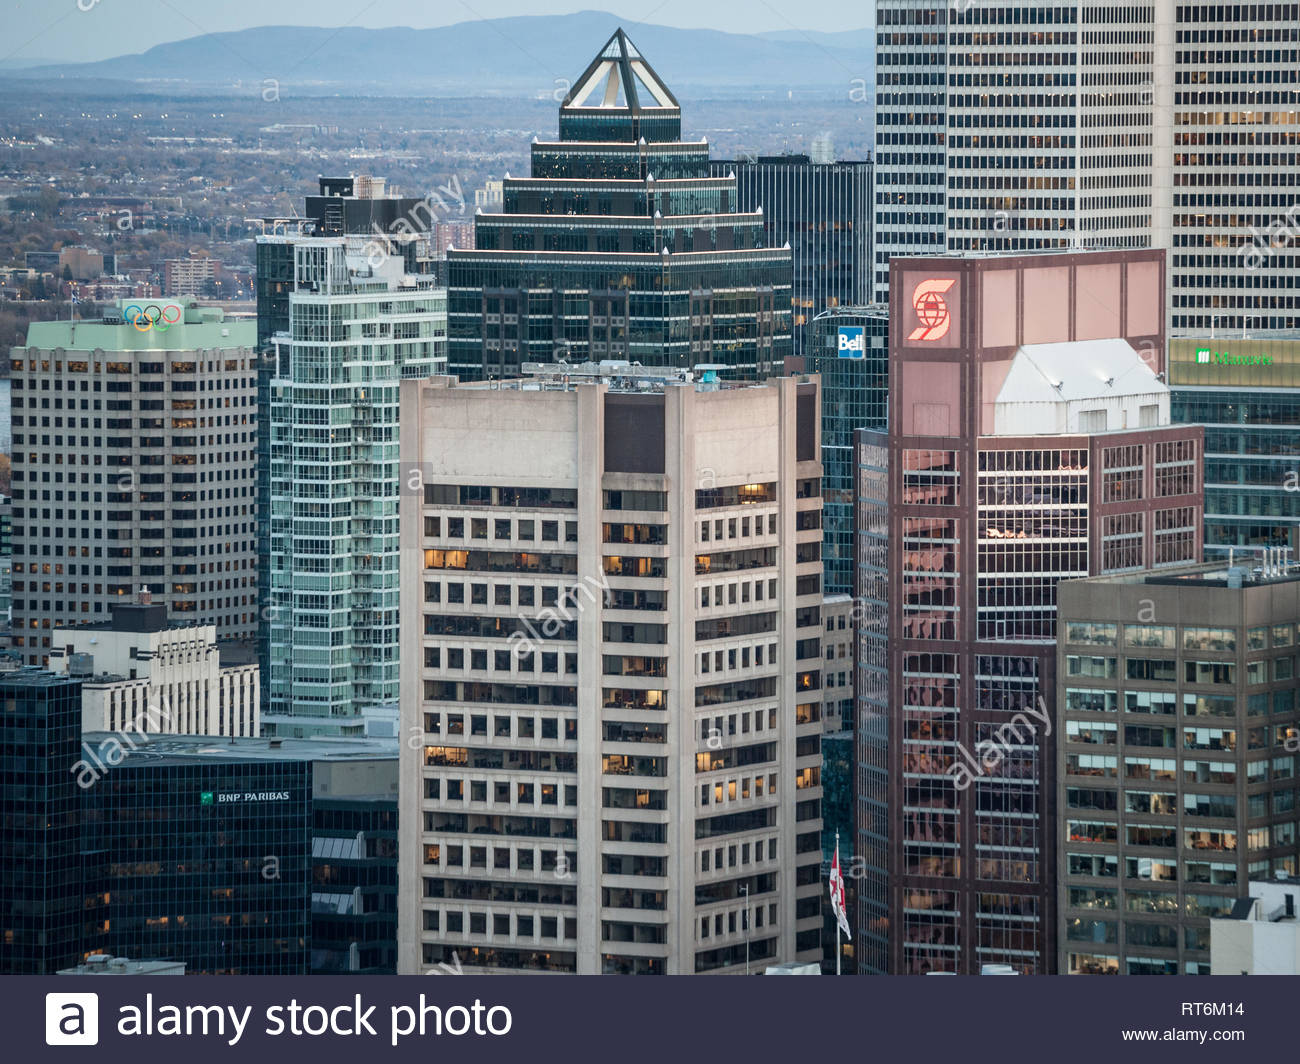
207 863
823 211
1246 392
42 900
620 245
354 886
849 347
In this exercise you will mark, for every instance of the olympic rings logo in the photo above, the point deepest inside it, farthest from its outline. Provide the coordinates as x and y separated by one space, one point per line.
152 316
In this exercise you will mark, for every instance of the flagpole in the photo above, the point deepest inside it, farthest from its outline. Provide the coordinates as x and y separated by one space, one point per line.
838 951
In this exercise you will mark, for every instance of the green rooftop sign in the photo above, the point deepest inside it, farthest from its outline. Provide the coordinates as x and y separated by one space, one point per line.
1243 363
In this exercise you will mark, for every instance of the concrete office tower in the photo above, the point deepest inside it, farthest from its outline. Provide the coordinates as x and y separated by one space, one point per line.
823 211
1246 392
1232 82
1176 767
134 438
145 675
611 674
1002 127
619 246
348 316
1028 442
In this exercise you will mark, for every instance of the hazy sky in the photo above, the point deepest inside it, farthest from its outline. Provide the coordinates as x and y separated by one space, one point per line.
74 30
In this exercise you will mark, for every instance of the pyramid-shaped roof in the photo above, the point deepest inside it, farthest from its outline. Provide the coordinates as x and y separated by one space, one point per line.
619 79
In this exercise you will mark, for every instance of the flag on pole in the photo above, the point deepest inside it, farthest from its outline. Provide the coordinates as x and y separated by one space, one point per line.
837 893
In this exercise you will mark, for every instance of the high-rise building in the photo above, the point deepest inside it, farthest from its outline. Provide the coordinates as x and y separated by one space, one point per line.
849 350
1028 442
1012 127
1246 392
823 211
345 317
619 246
247 856
1176 765
1006 127
612 651
134 439
1235 257
141 672
43 906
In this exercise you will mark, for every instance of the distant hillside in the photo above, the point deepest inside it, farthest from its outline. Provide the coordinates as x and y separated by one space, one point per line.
529 55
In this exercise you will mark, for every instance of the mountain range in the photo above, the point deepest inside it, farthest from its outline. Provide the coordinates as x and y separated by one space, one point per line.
529 55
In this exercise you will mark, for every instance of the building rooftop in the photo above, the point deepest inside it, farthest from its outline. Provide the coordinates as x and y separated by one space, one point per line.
1077 370
1269 566
188 749
147 325
620 376
619 79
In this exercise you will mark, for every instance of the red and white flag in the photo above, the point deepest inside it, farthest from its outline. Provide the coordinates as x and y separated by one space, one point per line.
837 894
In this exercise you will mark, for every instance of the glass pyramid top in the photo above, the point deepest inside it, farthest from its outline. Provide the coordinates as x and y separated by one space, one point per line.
620 79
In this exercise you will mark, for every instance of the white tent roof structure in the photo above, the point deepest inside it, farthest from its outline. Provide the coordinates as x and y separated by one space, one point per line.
1077 370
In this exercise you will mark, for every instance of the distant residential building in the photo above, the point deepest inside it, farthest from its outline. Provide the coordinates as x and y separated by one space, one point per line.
1176 703
85 263
849 349
1028 443
143 674
345 312
43 906
148 481
1261 935
822 210
190 276
491 195
41 261
1246 391
616 667
452 235
620 245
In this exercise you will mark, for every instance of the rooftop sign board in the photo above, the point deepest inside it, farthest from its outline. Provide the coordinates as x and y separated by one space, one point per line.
1242 363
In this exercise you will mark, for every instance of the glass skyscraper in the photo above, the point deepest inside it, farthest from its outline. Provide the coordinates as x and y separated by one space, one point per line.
349 314
619 246
1246 392
849 347
823 211
44 901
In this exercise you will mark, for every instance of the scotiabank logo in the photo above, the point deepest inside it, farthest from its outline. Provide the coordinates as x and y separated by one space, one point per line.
932 313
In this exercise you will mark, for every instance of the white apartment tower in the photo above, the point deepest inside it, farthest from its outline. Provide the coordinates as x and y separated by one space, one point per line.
611 673
1002 126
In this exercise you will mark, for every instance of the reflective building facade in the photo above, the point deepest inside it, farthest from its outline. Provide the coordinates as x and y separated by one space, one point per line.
849 347
823 211
1246 392
620 245
1022 449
